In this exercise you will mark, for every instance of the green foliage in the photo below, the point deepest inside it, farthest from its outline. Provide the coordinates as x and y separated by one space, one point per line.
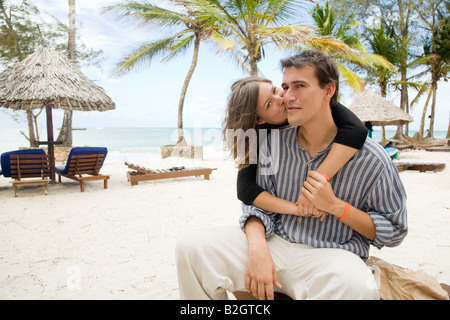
23 30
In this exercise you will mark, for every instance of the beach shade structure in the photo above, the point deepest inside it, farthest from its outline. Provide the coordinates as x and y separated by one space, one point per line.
372 107
47 79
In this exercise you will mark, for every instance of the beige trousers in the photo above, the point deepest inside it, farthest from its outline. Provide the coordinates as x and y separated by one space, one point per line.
212 261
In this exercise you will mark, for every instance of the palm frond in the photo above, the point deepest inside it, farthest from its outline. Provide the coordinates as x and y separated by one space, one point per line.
288 34
146 13
351 78
179 46
369 60
145 53
223 43
213 13
420 91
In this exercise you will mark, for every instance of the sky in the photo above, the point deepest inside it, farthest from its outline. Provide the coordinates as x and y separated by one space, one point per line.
149 97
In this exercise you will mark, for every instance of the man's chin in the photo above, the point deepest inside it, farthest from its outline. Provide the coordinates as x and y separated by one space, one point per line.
295 122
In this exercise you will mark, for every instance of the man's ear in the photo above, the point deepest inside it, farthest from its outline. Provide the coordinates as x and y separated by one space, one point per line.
330 90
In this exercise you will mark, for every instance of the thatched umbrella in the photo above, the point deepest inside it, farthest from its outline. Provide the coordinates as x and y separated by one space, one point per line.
370 106
47 79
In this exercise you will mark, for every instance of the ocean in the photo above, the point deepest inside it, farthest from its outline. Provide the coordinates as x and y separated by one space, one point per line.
134 144
128 144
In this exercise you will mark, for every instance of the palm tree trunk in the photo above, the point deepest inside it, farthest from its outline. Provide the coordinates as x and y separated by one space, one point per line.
424 113
448 129
433 109
181 140
403 103
32 137
65 134
252 57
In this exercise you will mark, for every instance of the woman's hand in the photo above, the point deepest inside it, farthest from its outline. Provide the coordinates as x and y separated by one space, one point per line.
306 209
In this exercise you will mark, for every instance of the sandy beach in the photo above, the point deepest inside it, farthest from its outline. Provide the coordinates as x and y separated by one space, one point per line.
119 243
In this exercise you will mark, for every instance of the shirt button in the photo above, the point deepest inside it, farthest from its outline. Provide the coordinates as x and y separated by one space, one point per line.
300 219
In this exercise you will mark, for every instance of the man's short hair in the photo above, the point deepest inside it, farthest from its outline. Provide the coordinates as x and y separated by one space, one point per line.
325 69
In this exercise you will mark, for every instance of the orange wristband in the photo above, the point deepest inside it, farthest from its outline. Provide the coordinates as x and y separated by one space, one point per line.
347 210
325 176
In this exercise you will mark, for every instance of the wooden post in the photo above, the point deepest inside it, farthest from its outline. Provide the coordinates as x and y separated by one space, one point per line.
50 140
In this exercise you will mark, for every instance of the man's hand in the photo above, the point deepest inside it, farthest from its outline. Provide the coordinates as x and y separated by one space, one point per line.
261 273
306 209
319 192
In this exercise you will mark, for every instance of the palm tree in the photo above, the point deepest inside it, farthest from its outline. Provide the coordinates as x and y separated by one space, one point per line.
244 29
382 42
345 29
437 54
65 135
193 31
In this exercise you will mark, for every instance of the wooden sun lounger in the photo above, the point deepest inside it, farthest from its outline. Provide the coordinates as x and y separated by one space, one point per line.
439 149
84 167
29 166
144 174
404 147
421 167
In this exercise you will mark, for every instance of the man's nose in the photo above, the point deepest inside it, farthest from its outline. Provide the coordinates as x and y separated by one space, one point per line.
288 96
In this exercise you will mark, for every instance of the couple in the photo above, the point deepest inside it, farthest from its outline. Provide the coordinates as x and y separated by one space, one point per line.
311 246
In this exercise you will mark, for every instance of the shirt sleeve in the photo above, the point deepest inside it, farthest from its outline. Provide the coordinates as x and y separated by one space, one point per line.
247 188
387 201
351 131
267 218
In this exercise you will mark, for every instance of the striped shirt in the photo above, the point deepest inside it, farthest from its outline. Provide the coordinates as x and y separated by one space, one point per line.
369 181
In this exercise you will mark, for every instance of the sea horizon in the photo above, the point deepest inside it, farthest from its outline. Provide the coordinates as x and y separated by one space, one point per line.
143 143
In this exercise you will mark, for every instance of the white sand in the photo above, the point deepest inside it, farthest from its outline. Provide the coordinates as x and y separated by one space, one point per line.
119 243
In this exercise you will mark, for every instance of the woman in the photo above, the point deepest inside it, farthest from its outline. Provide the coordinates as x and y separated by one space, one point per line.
255 103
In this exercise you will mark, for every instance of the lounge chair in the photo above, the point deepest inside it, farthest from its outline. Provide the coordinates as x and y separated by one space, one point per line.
84 164
420 166
440 148
21 165
142 174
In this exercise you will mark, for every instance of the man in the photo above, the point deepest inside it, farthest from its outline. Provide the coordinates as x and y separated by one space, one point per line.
304 258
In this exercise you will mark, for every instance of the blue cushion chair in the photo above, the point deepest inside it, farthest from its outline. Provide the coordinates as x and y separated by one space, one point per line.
84 164
23 164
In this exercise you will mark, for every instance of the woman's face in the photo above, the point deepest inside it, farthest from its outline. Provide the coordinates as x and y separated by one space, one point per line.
271 107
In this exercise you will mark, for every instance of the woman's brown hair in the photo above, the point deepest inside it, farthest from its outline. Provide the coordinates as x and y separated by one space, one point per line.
241 120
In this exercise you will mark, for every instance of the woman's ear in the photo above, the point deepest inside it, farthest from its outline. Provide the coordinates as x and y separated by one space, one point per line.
260 121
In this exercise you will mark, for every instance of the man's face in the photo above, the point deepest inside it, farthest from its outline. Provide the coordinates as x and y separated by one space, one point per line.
302 94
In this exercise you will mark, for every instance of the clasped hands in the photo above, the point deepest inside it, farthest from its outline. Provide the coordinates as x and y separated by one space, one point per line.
315 197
